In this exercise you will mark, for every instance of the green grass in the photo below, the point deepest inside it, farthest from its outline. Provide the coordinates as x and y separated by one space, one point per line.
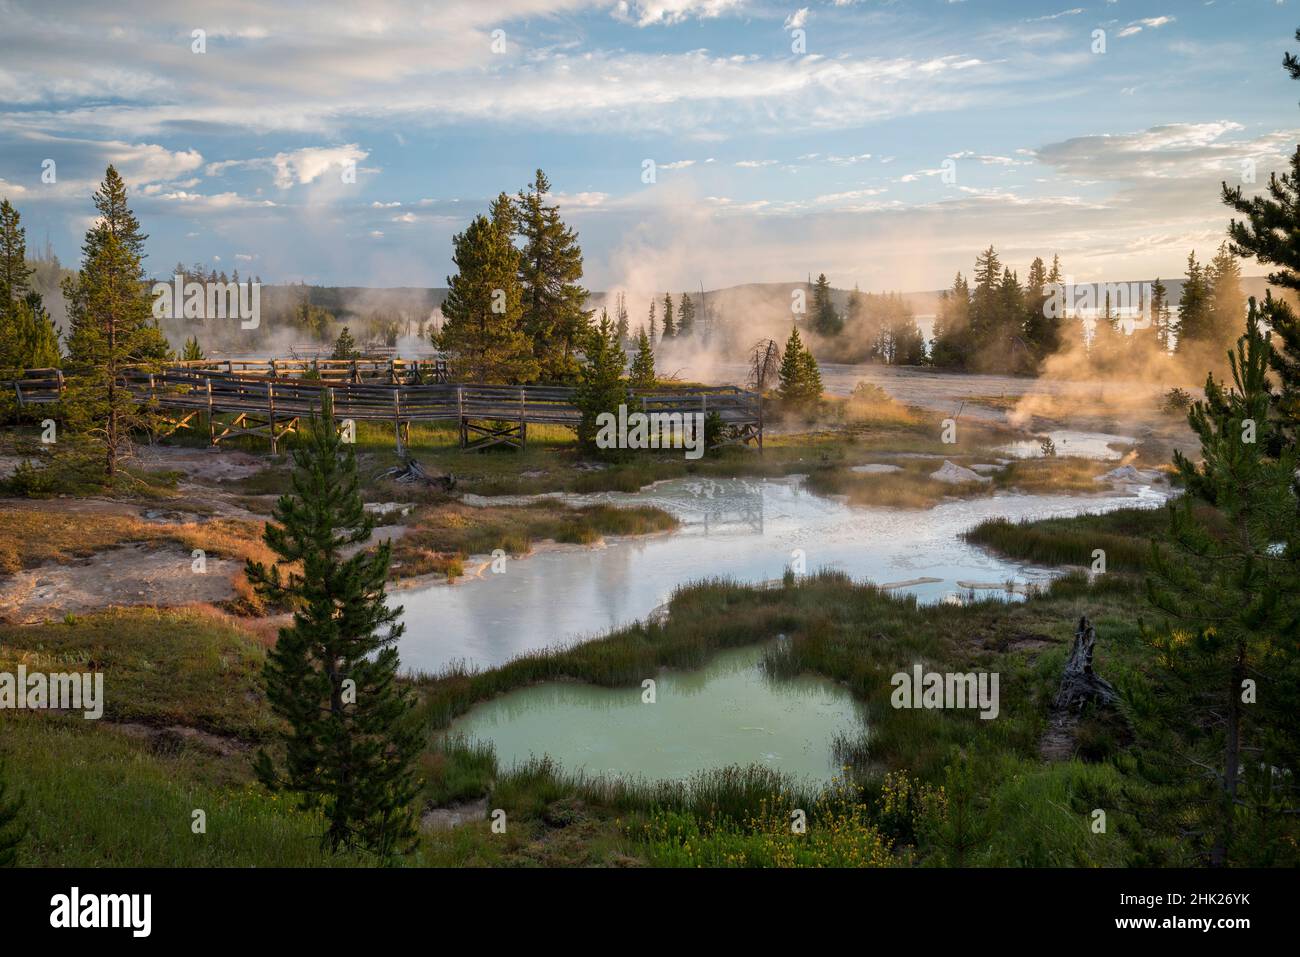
442 537
181 667
94 797
912 487
1126 536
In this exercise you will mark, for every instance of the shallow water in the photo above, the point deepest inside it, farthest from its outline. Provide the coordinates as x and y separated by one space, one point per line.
1088 445
742 529
727 712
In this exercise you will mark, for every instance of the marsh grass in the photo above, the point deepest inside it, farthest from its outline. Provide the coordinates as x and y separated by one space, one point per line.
1125 535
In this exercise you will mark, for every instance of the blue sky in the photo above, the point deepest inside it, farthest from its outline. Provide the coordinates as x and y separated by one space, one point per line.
772 160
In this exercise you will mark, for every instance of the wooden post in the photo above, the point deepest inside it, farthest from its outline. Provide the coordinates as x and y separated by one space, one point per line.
212 425
460 415
523 418
397 417
270 409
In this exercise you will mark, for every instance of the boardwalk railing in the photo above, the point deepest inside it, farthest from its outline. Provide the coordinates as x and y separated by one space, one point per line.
389 369
273 405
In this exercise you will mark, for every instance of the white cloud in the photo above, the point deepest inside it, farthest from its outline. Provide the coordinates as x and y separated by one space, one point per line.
646 13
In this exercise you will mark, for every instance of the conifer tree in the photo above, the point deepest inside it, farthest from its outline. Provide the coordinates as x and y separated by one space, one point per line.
1194 319
825 320
654 327
1230 588
1227 305
12 830
670 328
986 300
481 330
1161 316
800 379
950 346
29 340
1269 232
345 347
1042 331
15 274
331 676
622 323
685 316
111 325
600 386
27 337
551 297
193 351
643 363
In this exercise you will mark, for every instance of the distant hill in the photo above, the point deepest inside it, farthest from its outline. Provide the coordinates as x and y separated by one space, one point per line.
763 296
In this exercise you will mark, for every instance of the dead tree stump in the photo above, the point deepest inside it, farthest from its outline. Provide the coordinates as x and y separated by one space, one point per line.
410 471
1080 685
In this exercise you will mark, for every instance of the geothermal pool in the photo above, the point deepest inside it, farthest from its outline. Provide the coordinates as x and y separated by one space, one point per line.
746 530
725 713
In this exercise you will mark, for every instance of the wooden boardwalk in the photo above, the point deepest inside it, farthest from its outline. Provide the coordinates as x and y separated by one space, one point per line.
270 402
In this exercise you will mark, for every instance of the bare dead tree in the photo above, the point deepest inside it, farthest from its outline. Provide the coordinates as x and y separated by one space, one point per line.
764 362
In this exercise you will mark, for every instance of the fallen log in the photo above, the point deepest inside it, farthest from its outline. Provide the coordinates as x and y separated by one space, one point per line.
410 471
1080 685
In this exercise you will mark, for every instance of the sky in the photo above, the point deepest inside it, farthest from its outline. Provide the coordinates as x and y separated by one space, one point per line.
689 142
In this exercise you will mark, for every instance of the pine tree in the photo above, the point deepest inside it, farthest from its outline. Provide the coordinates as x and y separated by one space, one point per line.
622 326
194 352
15 274
986 300
600 387
1194 319
1230 586
907 345
331 676
654 328
1227 300
111 325
29 339
950 346
1106 351
825 320
1269 232
1161 316
670 327
345 347
801 381
481 330
643 364
552 299
1041 330
12 830
685 316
